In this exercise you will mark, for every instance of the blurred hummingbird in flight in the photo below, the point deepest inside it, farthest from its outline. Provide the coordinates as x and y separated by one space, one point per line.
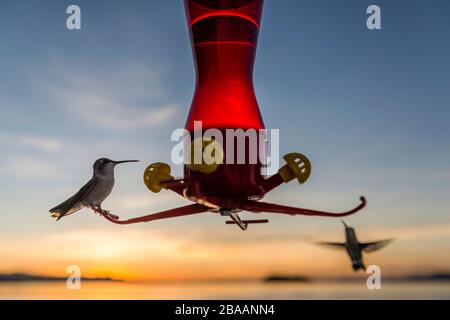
355 248
93 193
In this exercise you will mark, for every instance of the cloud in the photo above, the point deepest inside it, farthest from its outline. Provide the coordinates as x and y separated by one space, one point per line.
107 112
421 232
128 97
139 254
144 200
27 167
31 141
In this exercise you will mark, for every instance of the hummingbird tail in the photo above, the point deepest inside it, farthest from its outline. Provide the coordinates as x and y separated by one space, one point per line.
56 215
63 210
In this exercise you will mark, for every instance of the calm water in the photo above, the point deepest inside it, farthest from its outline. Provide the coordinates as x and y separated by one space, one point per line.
248 290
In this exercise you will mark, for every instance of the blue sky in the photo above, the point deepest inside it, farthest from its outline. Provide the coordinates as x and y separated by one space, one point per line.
370 109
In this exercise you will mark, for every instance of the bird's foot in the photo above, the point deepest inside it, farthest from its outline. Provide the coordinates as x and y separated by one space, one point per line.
108 213
97 209
115 217
103 212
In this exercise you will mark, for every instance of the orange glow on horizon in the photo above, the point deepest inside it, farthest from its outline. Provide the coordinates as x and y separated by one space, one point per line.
133 255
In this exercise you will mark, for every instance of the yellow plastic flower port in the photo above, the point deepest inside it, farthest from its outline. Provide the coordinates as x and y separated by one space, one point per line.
155 174
298 166
210 153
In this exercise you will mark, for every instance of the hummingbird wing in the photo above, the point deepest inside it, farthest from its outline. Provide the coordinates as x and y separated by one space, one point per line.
73 204
374 246
332 245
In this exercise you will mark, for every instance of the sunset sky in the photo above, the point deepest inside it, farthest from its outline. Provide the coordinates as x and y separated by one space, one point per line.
369 108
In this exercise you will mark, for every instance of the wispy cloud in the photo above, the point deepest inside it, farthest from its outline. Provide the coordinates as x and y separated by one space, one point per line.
420 232
144 200
102 110
37 142
29 167
130 97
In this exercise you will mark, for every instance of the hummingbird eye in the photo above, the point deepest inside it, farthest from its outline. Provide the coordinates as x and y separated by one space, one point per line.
106 161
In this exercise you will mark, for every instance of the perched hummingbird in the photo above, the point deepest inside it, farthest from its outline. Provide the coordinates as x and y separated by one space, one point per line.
355 248
93 193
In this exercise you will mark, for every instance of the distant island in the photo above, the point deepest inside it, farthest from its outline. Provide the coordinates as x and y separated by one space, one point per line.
22 277
281 278
430 277
407 278
274 278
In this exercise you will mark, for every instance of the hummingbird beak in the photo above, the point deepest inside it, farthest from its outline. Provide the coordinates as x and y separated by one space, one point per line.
343 222
124 161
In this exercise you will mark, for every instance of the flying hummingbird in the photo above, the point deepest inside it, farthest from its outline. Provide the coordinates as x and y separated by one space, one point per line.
93 193
355 248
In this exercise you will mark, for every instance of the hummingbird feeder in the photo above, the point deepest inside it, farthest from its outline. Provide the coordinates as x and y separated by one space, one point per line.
224 36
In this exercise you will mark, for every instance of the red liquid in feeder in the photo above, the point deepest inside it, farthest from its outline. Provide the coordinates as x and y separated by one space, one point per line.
224 36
